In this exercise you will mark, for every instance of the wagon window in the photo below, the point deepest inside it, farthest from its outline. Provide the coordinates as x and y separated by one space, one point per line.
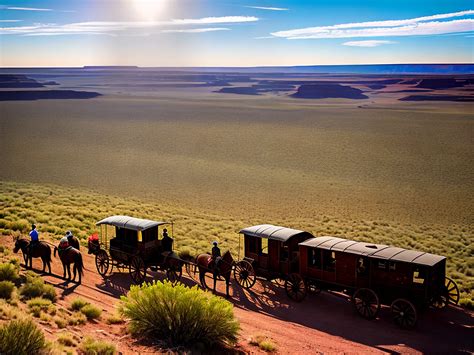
264 244
362 266
284 253
314 258
382 265
329 260
418 275
253 245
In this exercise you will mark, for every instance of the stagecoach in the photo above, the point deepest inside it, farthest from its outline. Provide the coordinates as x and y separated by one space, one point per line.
133 244
371 274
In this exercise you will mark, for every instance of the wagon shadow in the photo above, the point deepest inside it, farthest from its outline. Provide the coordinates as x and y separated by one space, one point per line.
333 314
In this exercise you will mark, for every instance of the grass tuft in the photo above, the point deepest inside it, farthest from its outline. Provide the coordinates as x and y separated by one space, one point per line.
8 272
97 347
263 343
6 289
91 311
66 339
77 304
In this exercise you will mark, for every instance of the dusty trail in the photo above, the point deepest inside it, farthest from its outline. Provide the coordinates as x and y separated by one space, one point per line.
324 323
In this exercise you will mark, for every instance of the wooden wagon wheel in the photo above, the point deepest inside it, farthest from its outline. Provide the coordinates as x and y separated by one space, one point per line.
174 272
404 313
102 262
137 269
366 303
453 291
280 281
295 287
448 295
244 274
313 287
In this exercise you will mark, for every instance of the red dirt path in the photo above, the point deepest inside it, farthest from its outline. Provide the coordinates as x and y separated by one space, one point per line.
324 323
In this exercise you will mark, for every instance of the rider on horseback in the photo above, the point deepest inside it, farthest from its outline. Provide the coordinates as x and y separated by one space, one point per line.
64 243
216 257
34 237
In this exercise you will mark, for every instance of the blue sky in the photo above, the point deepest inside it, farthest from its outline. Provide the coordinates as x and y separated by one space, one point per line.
234 32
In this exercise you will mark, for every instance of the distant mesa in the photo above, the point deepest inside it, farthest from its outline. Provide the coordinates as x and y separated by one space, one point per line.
26 95
16 81
50 83
455 98
329 91
441 83
245 90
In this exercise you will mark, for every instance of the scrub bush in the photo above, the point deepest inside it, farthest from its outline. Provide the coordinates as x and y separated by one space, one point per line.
32 339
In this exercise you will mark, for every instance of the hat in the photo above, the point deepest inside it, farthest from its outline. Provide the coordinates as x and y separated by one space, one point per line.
68 233
33 226
214 242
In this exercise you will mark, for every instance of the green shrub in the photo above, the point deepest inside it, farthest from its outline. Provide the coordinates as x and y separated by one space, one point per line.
32 288
78 303
32 339
8 272
114 319
77 318
468 303
60 322
49 292
66 339
97 347
6 289
91 311
263 343
15 261
179 315
38 305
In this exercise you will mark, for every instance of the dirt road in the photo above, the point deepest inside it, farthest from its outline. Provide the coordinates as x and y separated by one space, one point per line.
324 323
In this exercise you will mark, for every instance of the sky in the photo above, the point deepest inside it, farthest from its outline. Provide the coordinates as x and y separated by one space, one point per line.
154 33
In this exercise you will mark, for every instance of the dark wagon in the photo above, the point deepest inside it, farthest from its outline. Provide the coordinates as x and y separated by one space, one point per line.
133 244
374 274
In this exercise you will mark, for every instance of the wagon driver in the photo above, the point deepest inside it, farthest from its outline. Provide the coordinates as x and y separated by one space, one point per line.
167 241
216 256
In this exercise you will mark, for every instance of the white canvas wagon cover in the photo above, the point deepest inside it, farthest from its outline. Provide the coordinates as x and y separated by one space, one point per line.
378 251
137 224
268 231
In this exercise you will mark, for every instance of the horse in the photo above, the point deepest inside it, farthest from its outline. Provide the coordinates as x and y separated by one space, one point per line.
93 244
68 256
225 269
74 242
41 250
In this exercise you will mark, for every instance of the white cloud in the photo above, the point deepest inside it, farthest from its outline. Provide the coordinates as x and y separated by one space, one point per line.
25 8
409 27
268 8
369 43
196 30
117 27
11 20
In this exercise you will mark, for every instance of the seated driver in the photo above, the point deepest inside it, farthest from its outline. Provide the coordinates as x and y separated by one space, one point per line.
166 242
216 256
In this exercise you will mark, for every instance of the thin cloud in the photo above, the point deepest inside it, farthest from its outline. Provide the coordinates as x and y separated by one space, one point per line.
115 27
369 43
24 8
268 8
11 20
426 25
196 30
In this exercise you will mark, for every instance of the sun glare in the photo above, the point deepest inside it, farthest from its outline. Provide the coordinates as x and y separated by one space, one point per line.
149 9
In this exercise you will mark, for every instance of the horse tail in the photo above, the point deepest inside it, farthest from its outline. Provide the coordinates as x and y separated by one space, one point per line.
79 263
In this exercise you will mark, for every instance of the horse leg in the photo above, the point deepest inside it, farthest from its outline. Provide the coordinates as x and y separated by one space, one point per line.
68 272
74 269
215 281
227 282
64 271
44 264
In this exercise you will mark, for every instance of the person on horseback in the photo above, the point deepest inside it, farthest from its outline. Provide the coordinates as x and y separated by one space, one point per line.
167 242
63 244
34 237
216 257
69 237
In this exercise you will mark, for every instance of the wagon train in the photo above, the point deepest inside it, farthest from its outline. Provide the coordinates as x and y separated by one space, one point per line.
133 244
371 274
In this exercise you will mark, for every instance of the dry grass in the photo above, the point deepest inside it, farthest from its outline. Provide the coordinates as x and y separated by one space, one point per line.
263 343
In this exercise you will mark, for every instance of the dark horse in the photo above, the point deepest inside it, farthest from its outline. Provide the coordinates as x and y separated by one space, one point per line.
68 256
74 242
225 269
40 250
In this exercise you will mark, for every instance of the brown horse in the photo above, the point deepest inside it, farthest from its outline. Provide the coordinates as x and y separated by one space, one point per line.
69 256
40 250
225 269
74 242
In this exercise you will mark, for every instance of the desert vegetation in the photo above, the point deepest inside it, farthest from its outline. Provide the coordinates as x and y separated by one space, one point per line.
178 315
56 209
32 338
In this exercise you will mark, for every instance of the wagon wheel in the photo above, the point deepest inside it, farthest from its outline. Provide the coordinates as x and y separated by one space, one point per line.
449 295
137 269
102 262
174 272
453 291
404 313
295 287
366 303
280 281
244 274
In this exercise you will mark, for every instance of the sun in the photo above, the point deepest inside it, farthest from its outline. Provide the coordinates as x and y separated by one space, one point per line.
149 9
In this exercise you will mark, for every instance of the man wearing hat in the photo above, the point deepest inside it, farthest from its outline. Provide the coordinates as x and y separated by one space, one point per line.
216 257
34 237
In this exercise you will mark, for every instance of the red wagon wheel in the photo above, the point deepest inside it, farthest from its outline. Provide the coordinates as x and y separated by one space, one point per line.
295 287
404 313
244 274
137 269
102 262
366 303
